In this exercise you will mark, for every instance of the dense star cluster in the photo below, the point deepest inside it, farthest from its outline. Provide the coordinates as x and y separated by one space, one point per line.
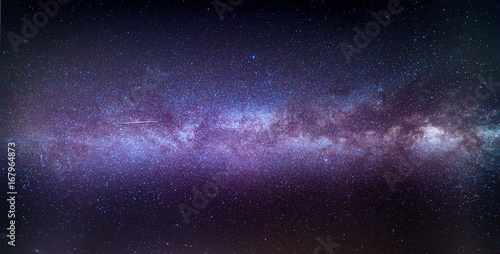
422 119
311 133
253 127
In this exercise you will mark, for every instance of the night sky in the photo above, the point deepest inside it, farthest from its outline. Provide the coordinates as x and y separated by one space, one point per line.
261 127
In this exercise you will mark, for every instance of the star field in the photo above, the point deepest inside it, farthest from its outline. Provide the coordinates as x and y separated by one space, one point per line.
124 111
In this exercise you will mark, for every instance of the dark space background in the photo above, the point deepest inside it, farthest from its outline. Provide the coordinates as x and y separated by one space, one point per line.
120 108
